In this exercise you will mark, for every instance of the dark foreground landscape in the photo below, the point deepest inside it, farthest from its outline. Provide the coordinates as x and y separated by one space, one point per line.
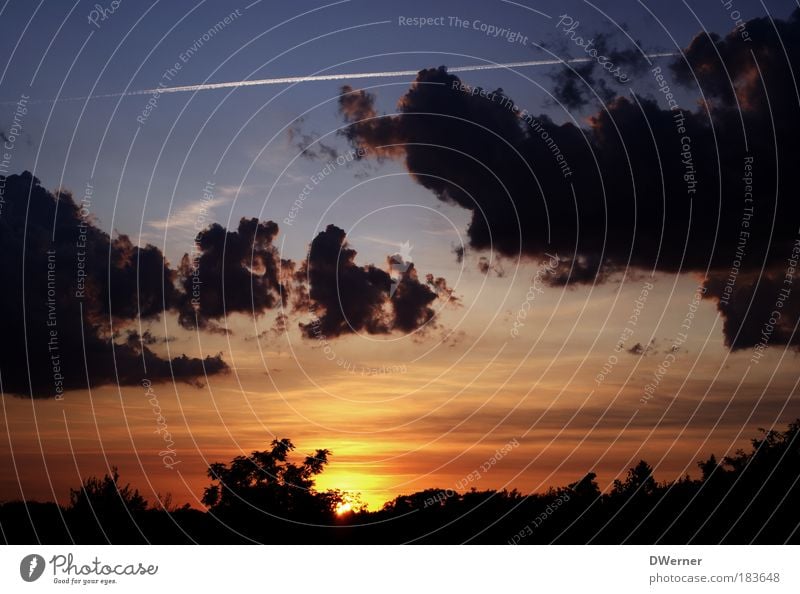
750 497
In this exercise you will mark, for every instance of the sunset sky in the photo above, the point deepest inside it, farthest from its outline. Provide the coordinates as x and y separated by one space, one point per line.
402 408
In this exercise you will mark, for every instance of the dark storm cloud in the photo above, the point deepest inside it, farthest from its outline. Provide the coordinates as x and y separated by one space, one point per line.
411 301
752 71
726 71
230 272
515 172
345 297
68 287
73 293
357 107
577 86
759 311
583 269
142 281
643 184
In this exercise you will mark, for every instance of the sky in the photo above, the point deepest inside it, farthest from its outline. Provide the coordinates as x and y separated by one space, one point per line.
408 408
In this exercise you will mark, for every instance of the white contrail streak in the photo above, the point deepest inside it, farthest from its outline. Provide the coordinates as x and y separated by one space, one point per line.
327 77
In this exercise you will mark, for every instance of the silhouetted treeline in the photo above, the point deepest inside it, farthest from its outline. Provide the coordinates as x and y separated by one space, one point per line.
750 497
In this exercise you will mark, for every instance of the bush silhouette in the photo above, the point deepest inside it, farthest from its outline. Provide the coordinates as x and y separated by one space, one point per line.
747 497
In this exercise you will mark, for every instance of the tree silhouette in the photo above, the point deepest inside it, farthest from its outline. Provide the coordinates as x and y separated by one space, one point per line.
106 495
267 481
745 497
105 510
708 467
586 487
639 480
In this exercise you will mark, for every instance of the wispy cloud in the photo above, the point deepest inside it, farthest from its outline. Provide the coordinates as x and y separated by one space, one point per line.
188 219
185 221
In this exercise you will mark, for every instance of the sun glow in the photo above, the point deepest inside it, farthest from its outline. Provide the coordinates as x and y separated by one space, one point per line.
350 503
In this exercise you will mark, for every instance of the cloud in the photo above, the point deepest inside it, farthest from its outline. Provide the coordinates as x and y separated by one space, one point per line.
411 301
726 72
345 297
575 87
748 80
638 349
69 288
308 144
230 272
357 108
508 170
759 310
75 297
186 221
639 185
443 290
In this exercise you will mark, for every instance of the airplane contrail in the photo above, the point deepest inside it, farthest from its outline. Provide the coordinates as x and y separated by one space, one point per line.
325 77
